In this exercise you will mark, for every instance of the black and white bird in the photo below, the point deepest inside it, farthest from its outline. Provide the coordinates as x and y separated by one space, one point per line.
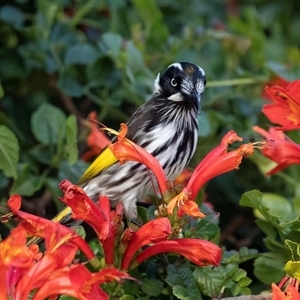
166 126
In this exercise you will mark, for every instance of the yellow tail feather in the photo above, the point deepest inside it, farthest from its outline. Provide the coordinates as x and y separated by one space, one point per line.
104 160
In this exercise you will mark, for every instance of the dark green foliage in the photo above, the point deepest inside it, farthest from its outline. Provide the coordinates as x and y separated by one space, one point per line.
61 59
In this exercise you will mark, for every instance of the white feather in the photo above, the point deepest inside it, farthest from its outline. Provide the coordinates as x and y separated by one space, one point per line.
176 97
176 65
156 84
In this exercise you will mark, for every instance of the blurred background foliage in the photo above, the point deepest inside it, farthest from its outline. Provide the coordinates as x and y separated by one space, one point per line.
60 60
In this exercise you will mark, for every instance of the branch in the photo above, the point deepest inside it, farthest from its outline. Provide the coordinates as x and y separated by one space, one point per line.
267 296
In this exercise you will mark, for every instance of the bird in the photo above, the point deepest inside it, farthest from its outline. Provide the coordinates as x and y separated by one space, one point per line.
166 126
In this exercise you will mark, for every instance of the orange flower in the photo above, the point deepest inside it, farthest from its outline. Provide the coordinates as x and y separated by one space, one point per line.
200 252
285 109
289 293
15 259
279 148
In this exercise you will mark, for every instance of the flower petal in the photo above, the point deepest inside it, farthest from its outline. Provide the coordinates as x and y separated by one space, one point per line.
200 252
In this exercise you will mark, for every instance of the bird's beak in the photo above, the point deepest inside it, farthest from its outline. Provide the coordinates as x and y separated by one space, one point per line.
196 99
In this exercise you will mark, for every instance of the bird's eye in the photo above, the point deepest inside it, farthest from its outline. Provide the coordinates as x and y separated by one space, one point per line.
173 82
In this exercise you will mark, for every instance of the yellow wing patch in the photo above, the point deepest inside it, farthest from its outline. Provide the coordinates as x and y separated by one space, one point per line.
105 159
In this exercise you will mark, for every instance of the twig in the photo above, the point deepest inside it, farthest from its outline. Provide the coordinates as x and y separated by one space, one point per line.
252 297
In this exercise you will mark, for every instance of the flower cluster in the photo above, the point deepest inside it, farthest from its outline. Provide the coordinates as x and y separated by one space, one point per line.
283 110
25 271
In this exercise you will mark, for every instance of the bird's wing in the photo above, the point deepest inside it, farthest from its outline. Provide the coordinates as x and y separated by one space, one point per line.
142 119
104 160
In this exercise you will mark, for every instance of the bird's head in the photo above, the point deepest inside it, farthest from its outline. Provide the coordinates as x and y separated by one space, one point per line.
182 82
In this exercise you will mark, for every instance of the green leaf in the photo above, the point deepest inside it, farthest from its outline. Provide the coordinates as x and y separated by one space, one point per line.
152 287
292 268
71 145
183 279
72 173
180 292
238 274
235 290
267 228
134 57
48 124
13 15
69 85
153 17
278 206
82 54
49 10
103 73
114 43
9 152
269 267
294 248
127 297
231 269
26 184
246 291
244 282
251 199
210 280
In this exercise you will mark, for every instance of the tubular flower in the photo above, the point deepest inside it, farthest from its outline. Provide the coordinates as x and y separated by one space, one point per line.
216 162
185 205
15 260
279 148
96 140
23 270
152 232
285 109
78 282
37 226
290 288
125 150
54 259
104 222
200 252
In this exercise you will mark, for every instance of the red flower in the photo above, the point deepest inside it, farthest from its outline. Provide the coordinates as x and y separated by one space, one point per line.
96 140
285 109
215 163
23 270
279 148
38 227
152 232
104 222
78 282
200 252
125 150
